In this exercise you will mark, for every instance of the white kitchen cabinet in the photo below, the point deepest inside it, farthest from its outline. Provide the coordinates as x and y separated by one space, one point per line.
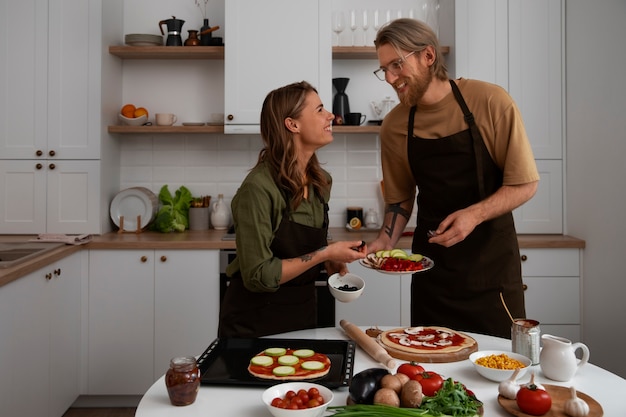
146 306
52 88
553 289
40 339
49 107
500 42
121 322
544 212
271 44
60 196
187 298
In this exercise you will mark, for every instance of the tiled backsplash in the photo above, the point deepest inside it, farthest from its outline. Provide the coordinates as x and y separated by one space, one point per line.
216 164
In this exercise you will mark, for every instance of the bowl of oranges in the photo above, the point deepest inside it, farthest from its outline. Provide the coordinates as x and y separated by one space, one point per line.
133 116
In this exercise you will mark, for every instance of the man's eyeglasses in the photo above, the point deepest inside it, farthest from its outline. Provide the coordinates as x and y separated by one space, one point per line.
394 68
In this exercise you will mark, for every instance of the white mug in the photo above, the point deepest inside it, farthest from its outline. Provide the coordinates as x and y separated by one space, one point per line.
165 119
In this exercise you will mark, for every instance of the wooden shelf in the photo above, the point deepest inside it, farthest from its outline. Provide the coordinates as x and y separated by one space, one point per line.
217 52
364 52
167 52
356 129
166 129
218 129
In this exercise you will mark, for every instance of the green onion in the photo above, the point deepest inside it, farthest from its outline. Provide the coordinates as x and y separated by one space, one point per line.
376 410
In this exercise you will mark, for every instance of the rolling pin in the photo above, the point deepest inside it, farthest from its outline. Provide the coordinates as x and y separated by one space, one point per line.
368 344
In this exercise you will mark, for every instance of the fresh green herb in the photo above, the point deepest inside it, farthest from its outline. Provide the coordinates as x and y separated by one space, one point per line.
173 216
452 399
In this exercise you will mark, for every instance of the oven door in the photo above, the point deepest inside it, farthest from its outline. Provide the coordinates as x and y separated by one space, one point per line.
325 300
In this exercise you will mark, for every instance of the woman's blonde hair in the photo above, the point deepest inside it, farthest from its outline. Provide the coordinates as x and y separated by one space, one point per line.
412 35
279 151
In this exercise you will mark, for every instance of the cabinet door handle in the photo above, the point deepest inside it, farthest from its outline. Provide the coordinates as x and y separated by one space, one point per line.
143 259
52 166
48 276
52 153
230 117
163 258
57 272
524 258
39 166
524 287
39 152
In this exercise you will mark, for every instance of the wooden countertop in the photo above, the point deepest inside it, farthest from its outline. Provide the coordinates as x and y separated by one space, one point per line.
212 239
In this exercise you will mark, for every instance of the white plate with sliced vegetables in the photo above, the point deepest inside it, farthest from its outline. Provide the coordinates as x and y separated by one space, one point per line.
397 262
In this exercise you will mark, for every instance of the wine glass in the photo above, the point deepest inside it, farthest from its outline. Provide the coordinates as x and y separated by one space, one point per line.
353 24
366 26
378 19
339 24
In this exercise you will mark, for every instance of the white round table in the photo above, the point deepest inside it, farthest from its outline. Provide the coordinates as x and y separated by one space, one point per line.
224 401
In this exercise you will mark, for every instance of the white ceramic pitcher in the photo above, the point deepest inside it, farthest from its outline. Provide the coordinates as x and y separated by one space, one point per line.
220 214
557 358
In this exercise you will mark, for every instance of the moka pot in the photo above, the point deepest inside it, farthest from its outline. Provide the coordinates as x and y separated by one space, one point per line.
174 29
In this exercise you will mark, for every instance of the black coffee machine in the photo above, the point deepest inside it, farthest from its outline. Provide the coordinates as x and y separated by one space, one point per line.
174 29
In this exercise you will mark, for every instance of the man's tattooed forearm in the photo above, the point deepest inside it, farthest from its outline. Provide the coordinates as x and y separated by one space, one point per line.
396 210
309 256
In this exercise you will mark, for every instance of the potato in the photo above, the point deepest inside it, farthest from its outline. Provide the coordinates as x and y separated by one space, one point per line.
404 378
411 395
387 396
391 381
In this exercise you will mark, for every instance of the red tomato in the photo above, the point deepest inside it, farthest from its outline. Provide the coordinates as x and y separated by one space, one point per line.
533 400
430 381
410 369
313 392
313 403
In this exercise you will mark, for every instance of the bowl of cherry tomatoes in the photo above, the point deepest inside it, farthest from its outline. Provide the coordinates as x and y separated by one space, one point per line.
297 399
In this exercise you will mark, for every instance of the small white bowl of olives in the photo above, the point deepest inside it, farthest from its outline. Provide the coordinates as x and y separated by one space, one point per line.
346 288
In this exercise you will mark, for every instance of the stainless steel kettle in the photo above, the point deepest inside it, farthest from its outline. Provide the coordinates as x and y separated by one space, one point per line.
174 29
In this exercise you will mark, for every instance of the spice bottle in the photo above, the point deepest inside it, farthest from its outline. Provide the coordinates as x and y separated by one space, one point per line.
182 380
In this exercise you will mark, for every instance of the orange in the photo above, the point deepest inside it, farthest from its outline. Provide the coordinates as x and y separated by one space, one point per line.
140 111
355 223
128 110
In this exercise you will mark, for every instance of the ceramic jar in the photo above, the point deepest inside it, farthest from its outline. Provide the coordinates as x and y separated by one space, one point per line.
220 214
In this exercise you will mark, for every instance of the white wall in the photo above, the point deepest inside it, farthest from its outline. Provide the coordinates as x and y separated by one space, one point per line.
596 169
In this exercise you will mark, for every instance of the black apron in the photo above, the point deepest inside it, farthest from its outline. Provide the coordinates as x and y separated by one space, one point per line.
293 306
463 290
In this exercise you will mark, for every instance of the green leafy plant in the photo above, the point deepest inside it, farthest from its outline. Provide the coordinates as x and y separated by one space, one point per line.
173 216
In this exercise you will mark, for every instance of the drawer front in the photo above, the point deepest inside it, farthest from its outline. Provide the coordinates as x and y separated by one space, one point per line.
553 300
550 262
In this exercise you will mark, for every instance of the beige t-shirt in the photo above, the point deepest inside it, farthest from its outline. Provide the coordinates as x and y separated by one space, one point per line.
499 122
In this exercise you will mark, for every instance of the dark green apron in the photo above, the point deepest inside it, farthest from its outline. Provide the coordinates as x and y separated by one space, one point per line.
463 290
293 306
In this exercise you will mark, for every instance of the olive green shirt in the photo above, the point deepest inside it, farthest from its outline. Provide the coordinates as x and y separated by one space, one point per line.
258 208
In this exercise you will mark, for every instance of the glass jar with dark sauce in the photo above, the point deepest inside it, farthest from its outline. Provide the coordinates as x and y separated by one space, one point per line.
182 380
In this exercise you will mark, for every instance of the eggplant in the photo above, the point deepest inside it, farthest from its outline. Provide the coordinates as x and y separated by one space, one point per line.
364 385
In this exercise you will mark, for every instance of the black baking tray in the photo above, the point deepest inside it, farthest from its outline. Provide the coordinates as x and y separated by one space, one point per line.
225 361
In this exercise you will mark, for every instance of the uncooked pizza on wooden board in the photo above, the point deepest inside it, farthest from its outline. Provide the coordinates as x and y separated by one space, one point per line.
432 344
289 364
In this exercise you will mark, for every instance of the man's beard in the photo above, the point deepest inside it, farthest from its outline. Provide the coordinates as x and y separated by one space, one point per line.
417 87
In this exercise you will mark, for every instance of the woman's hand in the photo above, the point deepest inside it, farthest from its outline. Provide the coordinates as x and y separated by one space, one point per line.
346 251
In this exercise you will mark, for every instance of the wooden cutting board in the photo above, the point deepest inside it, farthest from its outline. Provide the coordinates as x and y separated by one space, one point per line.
433 357
559 396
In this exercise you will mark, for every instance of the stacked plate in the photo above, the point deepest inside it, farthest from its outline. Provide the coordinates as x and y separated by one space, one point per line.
132 203
143 39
